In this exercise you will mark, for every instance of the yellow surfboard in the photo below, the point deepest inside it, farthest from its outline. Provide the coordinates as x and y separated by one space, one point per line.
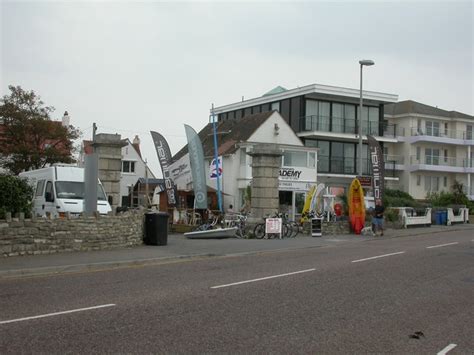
356 204
307 203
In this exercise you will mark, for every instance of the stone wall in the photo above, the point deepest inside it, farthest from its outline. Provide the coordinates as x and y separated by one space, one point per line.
46 236
336 228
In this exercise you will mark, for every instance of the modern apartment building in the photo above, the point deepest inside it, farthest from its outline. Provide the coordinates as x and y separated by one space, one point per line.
326 117
433 148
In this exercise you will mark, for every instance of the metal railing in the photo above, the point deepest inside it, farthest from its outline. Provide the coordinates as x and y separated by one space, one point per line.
441 132
349 166
338 125
396 159
436 160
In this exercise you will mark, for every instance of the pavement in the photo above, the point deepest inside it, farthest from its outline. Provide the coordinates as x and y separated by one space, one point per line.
180 248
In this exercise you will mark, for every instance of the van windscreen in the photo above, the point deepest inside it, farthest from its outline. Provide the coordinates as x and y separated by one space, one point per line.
75 190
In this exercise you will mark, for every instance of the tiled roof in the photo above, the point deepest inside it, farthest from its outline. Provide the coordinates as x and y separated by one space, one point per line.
410 106
229 132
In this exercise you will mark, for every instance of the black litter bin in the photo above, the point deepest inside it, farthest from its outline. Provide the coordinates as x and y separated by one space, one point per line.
156 228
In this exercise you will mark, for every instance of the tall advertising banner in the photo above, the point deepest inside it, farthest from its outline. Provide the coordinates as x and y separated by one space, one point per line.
196 157
378 167
164 156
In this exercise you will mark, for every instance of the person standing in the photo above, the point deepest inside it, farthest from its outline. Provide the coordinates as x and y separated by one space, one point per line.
377 219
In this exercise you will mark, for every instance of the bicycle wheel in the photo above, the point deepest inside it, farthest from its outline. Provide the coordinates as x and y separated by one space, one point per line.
240 231
259 231
295 229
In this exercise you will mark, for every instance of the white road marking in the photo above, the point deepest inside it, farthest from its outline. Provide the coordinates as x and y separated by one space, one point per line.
263 278
446 349
376 257
56 313
441 245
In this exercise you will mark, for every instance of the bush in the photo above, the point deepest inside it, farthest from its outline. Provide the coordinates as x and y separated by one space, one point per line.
392 215
397 198
15 195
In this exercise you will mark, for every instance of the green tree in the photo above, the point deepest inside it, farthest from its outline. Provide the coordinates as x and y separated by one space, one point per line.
28 138
15 195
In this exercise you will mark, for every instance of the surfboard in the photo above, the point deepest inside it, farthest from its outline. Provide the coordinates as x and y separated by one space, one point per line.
307 203
317 200
356 204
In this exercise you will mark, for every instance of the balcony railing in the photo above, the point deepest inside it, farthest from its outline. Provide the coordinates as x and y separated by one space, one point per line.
441 132
436 160
395 159
338 125
349 166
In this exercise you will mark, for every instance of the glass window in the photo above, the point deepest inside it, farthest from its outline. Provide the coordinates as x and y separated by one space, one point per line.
74 190
243 156
311 160
247 111
418 153
294 158
323 153
256 109
337 118
469 132
128 166
432 128
445 155
445 181
427 183
373 121
49 190
39 188
418 180
349 155
349 118
446 128
275 106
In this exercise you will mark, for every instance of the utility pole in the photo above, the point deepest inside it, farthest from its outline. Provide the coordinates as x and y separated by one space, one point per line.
91 177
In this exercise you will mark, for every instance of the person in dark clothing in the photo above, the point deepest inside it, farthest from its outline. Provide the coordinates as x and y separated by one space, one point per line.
377 220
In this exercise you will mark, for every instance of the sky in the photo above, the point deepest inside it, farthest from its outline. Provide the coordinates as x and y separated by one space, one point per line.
132 67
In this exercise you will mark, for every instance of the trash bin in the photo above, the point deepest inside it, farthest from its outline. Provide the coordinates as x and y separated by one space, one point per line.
444 217
438 218
156 228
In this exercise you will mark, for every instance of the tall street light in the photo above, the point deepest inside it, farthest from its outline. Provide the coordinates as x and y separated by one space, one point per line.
363 62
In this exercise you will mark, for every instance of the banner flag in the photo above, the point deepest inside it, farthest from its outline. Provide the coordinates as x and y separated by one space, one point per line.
196 157
164 156
212 168
378 167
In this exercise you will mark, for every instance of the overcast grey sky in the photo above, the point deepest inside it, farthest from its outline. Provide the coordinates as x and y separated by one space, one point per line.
135 67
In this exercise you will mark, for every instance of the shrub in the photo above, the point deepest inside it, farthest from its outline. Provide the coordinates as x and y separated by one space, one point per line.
15 195
391 215
397 198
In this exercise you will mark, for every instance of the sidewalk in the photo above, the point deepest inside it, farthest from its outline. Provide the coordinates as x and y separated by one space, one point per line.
180 248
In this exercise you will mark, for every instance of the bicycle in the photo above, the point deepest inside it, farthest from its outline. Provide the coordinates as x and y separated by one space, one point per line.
239 222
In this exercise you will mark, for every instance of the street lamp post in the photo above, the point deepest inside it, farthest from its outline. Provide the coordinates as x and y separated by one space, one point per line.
363 62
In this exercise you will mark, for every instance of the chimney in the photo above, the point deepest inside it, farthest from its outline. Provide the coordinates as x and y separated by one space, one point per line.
136 145
66 119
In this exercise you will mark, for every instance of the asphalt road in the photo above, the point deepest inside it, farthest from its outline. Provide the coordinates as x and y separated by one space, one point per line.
368 297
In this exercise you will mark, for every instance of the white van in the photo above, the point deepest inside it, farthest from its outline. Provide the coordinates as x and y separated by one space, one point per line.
60 189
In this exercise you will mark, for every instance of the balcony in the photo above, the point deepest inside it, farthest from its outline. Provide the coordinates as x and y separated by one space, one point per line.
442 164
325 126
347 166
438 135
394 162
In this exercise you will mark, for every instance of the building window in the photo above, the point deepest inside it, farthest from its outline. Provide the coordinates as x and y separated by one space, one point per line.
418 153
295 158
445 155
323 153
243 156
317 116
418 127
431 183
275 106
469 132
432 128
431 156
418 180
128 166
311 160
445 181
446 128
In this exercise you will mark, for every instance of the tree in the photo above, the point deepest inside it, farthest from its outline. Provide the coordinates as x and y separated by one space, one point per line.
15 195
28 137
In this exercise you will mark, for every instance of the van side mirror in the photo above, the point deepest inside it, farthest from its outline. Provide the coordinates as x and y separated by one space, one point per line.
48 196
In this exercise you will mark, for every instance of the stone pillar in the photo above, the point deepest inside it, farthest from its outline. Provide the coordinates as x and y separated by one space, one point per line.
266 161
109 151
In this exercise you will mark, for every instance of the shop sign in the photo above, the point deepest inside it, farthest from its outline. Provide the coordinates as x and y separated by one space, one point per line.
290 174
365 181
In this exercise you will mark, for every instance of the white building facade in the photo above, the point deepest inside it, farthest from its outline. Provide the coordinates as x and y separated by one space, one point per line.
298 169
434 148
